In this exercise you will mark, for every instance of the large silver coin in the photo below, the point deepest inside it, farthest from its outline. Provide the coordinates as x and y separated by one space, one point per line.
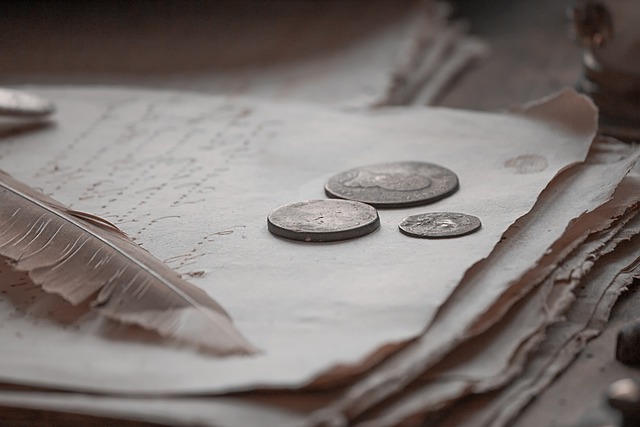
437 225
323 220
19 103
394 185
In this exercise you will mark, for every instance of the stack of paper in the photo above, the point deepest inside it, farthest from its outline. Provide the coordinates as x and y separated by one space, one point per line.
508 356
383 330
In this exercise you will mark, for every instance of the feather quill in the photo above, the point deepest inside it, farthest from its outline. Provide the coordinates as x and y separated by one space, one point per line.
78 255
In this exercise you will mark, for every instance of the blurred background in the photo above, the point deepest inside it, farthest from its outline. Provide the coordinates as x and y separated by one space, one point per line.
490 55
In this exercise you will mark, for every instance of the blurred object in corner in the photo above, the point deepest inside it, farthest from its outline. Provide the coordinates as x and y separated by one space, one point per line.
609 32
23 104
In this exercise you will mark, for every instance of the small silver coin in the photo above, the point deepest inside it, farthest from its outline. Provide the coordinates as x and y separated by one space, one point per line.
323 220
19 103
394 185
438 225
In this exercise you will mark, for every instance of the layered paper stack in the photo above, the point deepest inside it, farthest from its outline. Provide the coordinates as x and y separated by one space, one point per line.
383 330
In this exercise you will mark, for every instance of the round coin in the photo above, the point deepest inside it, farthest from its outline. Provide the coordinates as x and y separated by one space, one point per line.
19 103
323 220
394 185
438 225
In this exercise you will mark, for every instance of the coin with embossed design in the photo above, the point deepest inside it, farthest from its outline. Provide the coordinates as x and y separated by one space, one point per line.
437 225
394 185
19 103
323 220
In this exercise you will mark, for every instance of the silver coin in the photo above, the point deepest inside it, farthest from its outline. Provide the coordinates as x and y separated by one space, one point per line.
394 185
323 220
436 225
19 103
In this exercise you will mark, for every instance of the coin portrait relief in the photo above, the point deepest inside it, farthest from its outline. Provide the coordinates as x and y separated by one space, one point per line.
394 185
389 181
436 225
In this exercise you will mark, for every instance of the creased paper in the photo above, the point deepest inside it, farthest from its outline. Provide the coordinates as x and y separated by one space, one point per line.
564 340
490 287
192 179
493 358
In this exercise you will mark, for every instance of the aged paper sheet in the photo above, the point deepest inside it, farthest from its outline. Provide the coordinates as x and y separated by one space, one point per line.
492 359
494 284
586 320
192 179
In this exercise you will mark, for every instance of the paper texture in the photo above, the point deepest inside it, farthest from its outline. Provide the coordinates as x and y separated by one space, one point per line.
192 179
491 359
495 283
586 320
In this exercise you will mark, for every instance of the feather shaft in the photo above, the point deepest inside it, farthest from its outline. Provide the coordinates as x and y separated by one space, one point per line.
78 255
